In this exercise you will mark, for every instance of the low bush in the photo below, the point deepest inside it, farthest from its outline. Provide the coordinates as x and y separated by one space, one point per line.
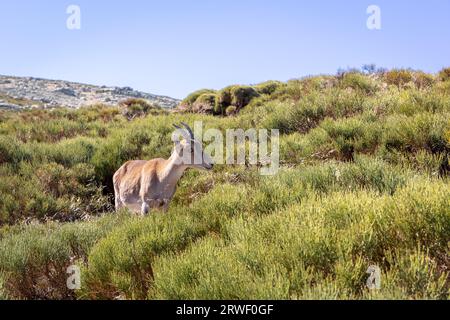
444 74
423 80
411 102
58 124
238 96
3 291
231 110
121 265
242 95
411 134
12 151
50 191
352 136
34 258
358 81
132 108
298 88
269 87
205 103
398 77
311 110
320 248
190 99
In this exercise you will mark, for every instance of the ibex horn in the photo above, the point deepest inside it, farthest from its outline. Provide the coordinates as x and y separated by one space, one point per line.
188 129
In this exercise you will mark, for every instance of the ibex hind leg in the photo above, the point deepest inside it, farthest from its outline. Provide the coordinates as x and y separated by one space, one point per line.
118 202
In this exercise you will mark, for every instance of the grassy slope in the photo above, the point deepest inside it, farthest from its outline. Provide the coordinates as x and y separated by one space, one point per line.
364 181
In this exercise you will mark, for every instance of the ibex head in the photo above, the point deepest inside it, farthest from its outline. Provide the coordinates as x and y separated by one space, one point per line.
190 150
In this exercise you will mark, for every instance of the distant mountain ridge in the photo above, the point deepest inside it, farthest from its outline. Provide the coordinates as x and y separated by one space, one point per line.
29 92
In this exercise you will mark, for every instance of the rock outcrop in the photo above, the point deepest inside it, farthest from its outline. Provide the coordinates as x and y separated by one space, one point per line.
26 92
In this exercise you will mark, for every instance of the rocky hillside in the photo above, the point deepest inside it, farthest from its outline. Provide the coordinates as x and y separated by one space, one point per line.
23 92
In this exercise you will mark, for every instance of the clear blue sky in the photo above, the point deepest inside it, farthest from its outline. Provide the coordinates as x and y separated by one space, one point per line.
174 47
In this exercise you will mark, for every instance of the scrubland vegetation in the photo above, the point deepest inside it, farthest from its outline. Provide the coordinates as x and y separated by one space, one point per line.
364 181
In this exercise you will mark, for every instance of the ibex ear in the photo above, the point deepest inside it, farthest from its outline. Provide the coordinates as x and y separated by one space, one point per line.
178 145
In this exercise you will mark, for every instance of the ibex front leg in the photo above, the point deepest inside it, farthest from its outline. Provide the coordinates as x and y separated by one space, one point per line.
145 208
151 204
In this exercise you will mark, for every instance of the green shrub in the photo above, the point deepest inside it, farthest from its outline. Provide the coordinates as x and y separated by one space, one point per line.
50 191
231 110
364 174
190 99
132 108
444 74
318 248
205 103
398 77
411 134
443 87
23 199
238 96
12 151
3 292
55 125
242 95
34 258
208 271
412 102
66 152
417 275
224 100
358 81
311 110
300 117
268 87
121 264
423 80
297 88
353 135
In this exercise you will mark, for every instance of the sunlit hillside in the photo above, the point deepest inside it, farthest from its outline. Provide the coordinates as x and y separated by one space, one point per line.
364 181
